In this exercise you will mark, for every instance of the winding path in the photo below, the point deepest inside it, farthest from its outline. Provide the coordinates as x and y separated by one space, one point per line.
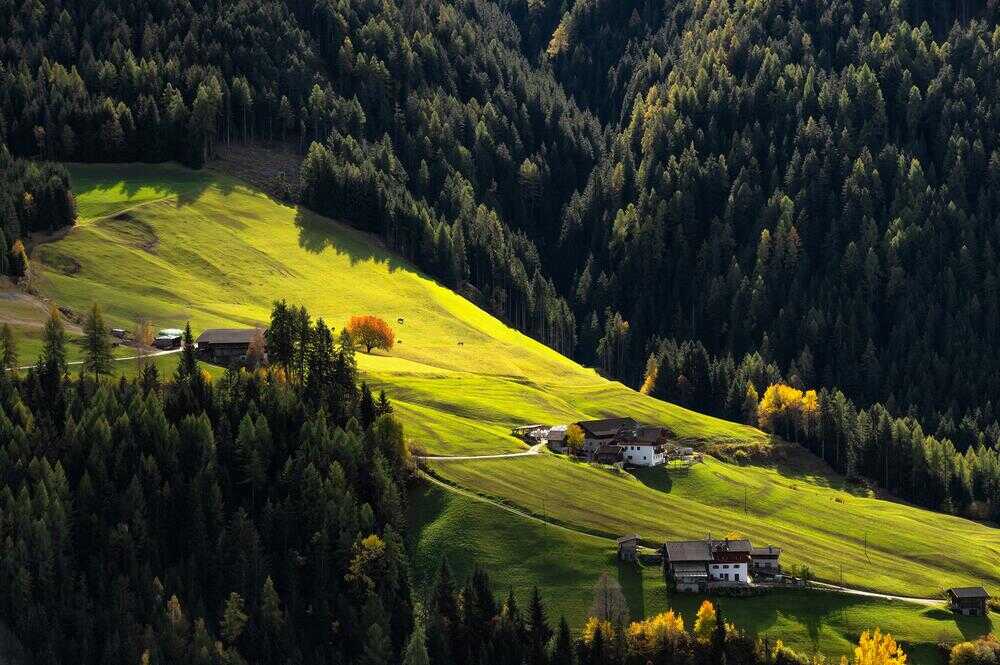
155 354
533 450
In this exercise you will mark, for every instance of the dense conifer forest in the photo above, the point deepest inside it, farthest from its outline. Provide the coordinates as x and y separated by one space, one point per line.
808 187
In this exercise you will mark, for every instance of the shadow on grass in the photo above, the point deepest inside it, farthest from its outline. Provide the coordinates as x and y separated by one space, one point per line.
630 579
166 179
658 478
318 233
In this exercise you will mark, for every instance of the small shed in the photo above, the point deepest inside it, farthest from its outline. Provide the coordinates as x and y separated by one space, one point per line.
969 600
628 547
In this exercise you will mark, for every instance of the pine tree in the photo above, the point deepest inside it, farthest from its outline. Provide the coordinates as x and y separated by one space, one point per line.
367 410
539 631
52 361
98 356
234 618
187 367
563 653
8 349
416 648
378 648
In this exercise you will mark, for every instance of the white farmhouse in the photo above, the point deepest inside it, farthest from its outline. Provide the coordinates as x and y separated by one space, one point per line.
645 446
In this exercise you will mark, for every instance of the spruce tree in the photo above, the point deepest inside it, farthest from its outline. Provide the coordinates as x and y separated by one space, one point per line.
98 355
52 362
8 349
539 631
562 653
416 648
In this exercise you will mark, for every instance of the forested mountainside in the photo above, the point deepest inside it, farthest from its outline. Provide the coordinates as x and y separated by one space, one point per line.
814 181
792 192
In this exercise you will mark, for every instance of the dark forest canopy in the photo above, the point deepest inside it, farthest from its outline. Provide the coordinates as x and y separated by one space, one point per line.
815 183
255 518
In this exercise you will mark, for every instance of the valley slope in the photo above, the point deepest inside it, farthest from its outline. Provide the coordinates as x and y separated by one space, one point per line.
174 245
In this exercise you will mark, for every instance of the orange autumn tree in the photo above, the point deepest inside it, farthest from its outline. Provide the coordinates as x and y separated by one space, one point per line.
371 332
787 411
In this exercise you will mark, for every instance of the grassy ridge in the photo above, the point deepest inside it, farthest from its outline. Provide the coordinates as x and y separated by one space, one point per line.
521 553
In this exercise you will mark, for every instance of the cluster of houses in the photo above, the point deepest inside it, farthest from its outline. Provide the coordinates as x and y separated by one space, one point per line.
612 440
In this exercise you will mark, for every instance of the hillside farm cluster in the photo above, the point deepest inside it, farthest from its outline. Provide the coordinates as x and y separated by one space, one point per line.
611 441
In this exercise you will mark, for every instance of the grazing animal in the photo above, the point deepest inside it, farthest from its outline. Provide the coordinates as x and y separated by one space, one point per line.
399 320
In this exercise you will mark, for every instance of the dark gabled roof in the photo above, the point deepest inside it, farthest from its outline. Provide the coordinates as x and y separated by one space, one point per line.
227 336
607 426
625 539
686 551
770 550
742 545
969 592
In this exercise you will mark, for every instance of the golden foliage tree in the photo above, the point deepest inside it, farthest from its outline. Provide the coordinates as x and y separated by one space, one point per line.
560 40
787 411
574 437
652 369
653 634
704 621
590 629
876 648
371 332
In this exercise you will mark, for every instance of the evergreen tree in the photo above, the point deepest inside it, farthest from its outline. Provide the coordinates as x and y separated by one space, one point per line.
416 649
8 349
538 630
98 354
562 653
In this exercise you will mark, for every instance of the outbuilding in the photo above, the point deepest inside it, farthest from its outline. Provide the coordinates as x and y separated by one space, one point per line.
628 547
969 600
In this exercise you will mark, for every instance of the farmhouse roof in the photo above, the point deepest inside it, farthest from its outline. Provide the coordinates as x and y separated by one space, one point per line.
628 538
969 592
607 426
688 551
770 550
227 336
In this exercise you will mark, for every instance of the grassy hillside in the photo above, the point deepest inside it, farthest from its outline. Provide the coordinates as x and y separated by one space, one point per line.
815 522
173 245
522 553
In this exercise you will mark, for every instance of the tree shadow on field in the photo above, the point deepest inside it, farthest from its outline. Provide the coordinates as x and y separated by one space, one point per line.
656 478
631 581
318 233
167 180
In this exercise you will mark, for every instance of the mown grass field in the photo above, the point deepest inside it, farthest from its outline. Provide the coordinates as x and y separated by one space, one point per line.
908 552
521 553
173 245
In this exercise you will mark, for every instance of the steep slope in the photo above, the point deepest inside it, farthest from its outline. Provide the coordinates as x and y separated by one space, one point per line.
172 245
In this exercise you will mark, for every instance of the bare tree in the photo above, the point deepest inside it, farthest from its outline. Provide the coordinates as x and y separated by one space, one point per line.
609 602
